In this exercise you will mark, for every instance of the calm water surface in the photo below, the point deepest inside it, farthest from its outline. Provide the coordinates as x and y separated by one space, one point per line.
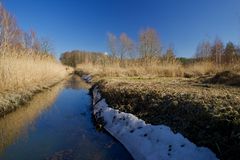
57 125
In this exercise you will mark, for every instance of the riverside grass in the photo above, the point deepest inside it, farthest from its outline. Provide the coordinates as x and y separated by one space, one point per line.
24 73
115 70
156 69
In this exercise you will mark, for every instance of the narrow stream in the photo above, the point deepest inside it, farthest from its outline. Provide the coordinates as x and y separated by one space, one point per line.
57 125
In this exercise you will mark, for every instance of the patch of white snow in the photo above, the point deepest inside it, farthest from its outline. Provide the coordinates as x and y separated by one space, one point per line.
145 141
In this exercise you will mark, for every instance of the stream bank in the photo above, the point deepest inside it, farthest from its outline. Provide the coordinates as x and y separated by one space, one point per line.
12 100
206 114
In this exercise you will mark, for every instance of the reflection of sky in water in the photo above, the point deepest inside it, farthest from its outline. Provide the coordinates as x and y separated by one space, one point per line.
16 123
65 131
75 82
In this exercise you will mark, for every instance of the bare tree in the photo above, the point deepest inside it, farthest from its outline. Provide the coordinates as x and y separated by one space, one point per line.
203 50
35 42
149 46
217 51
230 53
170 56
112 43
27 41
10 34
30 41
45 45
126 46
238 52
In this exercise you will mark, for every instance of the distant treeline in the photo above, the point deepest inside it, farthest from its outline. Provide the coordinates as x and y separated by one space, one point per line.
124 51
78 57
218 53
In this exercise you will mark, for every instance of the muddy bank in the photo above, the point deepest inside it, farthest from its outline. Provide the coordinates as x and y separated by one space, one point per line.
12 100
208 115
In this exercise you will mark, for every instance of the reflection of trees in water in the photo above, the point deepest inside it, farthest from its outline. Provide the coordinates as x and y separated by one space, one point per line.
16 123
75 82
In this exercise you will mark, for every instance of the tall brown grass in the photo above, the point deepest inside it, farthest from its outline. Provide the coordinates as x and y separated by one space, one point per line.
133 69
202 68
23 71
23 74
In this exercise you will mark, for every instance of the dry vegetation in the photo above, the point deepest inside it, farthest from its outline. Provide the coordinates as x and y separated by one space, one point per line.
25 72
26 67
154 70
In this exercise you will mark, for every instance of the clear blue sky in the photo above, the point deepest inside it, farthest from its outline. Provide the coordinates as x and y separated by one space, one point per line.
84 24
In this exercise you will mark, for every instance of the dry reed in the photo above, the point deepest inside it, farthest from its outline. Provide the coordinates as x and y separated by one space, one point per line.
23 71
133 69
155 69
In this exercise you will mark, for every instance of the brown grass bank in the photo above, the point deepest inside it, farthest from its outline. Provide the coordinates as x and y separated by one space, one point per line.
208 115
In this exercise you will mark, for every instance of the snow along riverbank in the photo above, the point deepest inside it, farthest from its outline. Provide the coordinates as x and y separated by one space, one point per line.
145 141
